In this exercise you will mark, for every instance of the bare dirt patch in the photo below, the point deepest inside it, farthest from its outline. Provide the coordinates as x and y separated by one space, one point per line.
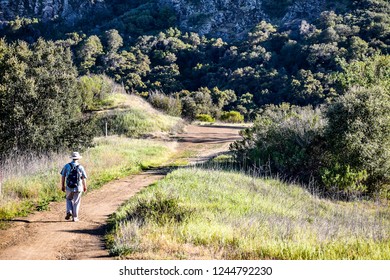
48 236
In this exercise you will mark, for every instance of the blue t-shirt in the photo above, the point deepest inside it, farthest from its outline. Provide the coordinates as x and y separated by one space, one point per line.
65 172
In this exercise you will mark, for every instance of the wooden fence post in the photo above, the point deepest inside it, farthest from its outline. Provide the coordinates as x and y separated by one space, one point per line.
1 179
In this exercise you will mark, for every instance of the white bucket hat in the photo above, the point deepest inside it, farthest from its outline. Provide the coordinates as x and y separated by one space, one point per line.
75 155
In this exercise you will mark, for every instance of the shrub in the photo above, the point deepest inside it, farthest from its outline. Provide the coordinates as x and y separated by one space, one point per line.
160 209
94 91
285 137
168 104
232 117
205 118
358 134
343 178
197 102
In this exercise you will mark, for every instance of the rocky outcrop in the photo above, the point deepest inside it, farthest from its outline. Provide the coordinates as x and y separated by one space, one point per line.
233 18
69 10
217 17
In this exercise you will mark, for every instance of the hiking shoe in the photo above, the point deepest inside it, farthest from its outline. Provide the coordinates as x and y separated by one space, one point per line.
75 219
68 215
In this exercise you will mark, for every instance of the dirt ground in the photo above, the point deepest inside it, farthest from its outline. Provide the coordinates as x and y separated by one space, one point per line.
48 236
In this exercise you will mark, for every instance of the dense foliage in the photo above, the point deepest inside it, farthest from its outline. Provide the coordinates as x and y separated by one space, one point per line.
39 104
358 137
285 137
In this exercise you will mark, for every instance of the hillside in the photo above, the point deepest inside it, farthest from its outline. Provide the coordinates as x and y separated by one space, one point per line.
70 11
231 20
227 19
132 116
312 75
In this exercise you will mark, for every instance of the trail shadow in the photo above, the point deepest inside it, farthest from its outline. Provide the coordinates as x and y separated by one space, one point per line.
208 163
225 126
32 222
202 162
158 170
216 140
98 231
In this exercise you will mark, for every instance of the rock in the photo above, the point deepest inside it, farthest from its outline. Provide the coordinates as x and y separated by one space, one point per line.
45 10
222 18
232 19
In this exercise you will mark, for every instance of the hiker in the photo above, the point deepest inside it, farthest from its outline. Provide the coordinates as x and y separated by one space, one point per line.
73 183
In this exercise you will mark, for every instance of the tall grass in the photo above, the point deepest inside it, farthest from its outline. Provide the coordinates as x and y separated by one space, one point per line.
229 215
29 183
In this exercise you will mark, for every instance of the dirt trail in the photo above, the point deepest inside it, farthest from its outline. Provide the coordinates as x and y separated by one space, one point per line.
47 236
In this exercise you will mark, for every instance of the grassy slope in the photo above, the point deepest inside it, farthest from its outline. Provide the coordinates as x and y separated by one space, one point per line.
206 214
30 184
133 117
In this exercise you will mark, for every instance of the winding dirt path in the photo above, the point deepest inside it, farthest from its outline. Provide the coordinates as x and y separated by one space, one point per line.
47 236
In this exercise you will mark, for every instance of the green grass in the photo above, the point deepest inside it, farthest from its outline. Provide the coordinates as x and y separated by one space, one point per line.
132 116
111 158
138 123
211 214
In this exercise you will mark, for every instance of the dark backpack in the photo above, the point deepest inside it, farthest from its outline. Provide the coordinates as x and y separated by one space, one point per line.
73 178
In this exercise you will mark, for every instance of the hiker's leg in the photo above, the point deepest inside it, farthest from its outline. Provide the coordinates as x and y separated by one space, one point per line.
69 203
76 204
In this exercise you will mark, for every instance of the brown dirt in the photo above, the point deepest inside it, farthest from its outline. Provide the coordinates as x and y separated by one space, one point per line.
48 236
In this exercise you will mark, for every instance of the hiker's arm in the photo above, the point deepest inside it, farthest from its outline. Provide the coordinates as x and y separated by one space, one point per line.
84 184
63 183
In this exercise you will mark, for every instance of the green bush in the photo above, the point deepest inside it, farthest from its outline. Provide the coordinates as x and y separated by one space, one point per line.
344 179
205 118
94 91
284 137
358 134
232 117
160 209
197 102
168 104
